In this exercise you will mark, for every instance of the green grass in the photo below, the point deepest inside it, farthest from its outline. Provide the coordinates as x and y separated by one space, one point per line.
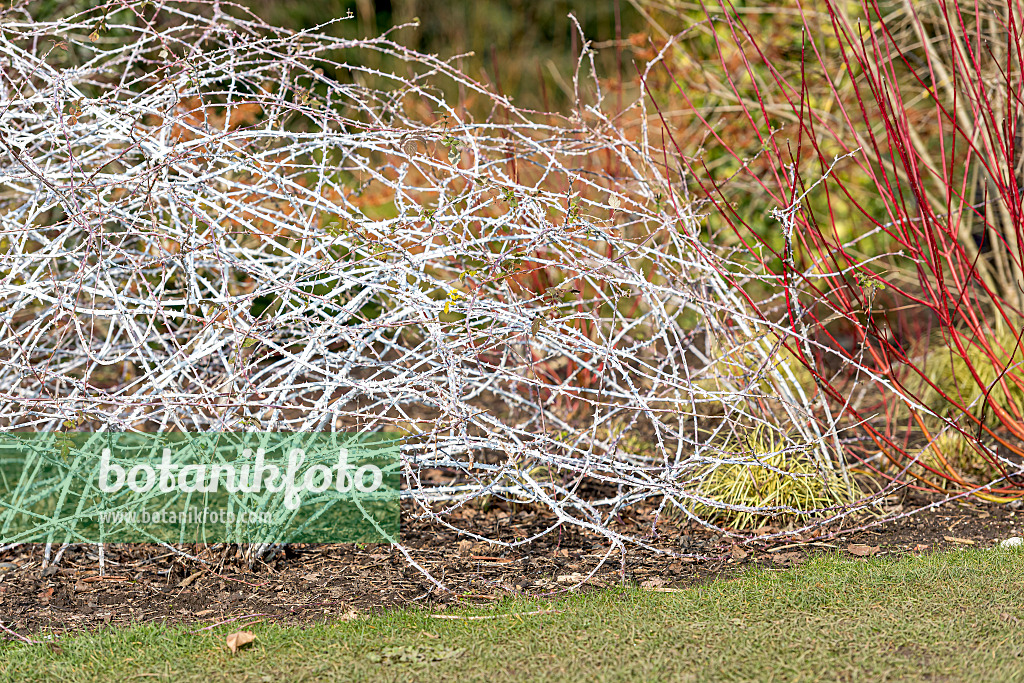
955 616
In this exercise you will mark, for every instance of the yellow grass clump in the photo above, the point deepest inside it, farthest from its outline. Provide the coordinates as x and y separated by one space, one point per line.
773 471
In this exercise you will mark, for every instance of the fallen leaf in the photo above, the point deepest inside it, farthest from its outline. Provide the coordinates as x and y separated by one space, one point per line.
189 579
239 640
954 539
861 550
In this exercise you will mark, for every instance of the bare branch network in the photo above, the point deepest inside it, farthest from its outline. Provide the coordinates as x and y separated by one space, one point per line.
209 223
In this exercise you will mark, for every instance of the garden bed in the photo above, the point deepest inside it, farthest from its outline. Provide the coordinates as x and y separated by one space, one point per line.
311 583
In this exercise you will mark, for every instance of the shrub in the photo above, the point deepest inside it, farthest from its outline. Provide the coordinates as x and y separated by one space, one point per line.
206 231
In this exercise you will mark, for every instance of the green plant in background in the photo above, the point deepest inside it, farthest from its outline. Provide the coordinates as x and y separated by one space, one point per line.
977 378
979 382
707 77
949 452
768 469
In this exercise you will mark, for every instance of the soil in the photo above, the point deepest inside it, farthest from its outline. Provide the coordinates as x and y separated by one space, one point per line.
310 583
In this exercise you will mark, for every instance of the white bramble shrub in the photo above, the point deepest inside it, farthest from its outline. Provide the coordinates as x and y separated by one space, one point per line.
209 223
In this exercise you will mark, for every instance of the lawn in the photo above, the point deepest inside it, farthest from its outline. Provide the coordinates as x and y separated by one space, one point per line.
948 616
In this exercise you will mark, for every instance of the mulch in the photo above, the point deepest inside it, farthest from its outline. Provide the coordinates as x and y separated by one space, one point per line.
312 583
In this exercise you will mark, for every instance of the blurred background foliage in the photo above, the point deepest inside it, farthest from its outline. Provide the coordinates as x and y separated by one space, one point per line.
526 48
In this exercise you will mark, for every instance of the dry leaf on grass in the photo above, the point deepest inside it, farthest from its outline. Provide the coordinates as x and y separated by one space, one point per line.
239 639
861 550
